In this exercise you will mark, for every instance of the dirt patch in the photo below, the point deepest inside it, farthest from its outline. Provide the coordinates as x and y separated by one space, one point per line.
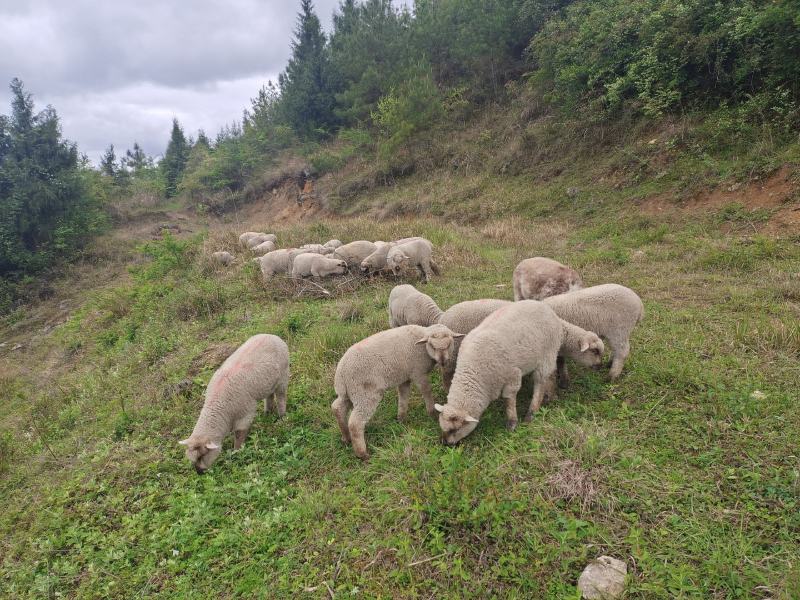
773 202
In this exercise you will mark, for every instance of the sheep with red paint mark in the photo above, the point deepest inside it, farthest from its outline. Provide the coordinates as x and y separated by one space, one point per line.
257 370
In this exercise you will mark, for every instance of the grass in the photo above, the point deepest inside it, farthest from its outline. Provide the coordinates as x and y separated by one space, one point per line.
686 468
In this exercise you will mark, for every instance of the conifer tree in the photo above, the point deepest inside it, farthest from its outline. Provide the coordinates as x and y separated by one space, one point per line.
175 158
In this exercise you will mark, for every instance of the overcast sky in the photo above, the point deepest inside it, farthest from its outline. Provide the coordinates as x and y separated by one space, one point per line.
118 71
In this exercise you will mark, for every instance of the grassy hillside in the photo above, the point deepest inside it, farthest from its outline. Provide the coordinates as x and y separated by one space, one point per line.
685 468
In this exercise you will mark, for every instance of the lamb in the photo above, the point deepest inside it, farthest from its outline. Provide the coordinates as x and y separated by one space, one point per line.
317 248
258 369
415 253
332 244
377 260
409 306
354 252
263 248
609 310
278 261
223 258
521 338
463 318
391 358
317 265
539 278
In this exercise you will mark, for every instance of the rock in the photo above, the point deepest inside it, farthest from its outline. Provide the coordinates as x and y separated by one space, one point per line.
17 347
603 578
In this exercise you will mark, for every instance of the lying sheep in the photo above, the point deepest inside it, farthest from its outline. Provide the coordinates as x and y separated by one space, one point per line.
463 318
244 239
263 248
223 258
409 306
316 265
317 248
539 278
609 310
354 252
392 358
416 253
521 338
253 239
258 369
332 244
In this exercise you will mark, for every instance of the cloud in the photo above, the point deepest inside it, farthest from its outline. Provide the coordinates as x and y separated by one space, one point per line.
118 71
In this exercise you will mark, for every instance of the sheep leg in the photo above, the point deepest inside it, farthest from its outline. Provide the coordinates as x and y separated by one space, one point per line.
339 408
541 386
621 351
426 271
403 392
239 436
359 418
509 395
269 403
563 374
280 401
424 385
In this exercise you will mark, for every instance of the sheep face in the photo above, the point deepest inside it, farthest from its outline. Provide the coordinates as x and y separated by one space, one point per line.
396 260
590 352
439 343
456 424
341 267
201 452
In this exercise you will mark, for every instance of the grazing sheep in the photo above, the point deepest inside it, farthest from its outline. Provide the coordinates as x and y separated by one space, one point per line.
223 258
333 244
521 338
317 248
610 310
251 239
539 278
463 318
408 239
377 260
392 358
317 265
263 248
258 369
409 306
415 253
354 252
277 261
246 236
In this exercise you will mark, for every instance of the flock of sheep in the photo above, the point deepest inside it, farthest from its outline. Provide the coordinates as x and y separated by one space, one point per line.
483 347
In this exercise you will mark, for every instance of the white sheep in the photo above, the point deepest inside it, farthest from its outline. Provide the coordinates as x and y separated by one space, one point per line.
409 306
317 248
415 253
539 278
521 338
223 258
246 236
277 261
333 244
316 265
376 261
251 239
354 252
263 248
393 358
258 369
609 310
463 318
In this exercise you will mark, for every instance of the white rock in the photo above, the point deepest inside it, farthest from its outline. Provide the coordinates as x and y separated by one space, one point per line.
603 578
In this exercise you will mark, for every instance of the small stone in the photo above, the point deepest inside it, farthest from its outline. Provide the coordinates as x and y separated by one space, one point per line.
653 141
16 347
758 395
603 579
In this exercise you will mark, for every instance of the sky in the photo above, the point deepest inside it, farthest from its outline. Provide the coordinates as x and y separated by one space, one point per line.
119 71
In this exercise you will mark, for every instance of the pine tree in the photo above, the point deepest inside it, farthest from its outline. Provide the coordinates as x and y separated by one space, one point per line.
175 157
136 160
306 100
108 164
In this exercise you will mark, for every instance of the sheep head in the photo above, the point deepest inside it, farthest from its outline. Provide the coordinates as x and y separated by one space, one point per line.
201 452
589 352
456 423
439 343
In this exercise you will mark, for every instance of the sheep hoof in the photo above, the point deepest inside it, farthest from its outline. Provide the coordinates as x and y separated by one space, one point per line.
511 425
528 418
345 440
363 456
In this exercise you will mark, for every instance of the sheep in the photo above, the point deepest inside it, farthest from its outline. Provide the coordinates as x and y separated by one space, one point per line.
415 253
609 310
317 265
317 248
408 239
258 369
520 338
409 306
392 358
463 318
354 252
377 260
245 237
332 244
223 258
277 261
539 278
263 248
251 239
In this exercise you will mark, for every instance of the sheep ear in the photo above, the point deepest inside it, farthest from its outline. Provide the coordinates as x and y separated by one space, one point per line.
212 446
184 442
469 419
584 345
422 341
438 407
